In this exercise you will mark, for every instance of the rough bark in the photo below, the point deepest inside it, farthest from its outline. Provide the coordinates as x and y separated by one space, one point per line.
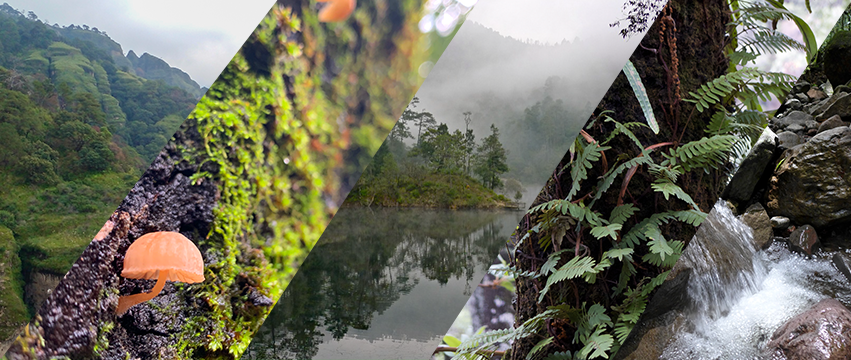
686 57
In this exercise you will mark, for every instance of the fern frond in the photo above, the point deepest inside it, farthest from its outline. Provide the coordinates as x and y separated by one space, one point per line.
701 153
579 171
769 41
576 267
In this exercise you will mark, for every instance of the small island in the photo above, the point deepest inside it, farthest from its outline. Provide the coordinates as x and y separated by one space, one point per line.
441 169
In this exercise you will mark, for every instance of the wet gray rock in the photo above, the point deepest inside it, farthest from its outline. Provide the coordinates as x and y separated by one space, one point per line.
788 140
794 118
841 107
841 264
821 333
757 218
741 186
804 240
813 184
794 104
833 122
822 106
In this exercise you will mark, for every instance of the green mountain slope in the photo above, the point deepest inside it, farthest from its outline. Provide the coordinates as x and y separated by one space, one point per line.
79 122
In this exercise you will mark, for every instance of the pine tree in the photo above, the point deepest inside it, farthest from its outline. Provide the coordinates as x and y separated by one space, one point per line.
491 160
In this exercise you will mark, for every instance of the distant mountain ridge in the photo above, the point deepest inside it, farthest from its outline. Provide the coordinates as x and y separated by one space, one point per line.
150 67
153 68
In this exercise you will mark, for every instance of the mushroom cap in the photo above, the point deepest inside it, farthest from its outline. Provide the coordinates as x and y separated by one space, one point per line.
164 250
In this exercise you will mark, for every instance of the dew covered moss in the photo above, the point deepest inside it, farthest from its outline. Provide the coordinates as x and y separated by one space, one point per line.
286 140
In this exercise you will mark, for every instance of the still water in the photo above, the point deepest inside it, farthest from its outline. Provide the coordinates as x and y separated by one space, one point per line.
383 284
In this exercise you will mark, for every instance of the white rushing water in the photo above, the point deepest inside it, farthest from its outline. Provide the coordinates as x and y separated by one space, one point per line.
737 312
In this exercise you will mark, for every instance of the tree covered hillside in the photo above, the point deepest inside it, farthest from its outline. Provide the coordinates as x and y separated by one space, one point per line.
77 127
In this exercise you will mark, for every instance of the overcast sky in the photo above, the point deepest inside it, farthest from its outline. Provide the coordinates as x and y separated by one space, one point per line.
551 21
197 36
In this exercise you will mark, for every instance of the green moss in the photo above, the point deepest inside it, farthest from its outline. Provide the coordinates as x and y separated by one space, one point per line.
279 143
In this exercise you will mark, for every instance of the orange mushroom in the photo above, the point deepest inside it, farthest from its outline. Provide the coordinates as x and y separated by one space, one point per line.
165 256
337 10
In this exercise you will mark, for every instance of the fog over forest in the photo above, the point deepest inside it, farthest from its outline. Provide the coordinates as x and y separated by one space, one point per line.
498 78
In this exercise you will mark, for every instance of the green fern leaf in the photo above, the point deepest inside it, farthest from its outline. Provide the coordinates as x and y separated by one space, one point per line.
574 268
538 347
641 94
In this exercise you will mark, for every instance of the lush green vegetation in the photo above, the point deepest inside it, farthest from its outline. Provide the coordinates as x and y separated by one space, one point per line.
77 127
442 169
634 186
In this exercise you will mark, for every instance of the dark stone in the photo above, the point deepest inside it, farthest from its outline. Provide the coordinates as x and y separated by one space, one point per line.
788 139
813 184
836 53
804 240
822 106
821 333
841 265
801 87
741 186
793 118
841 107
833 122
795 128
794 104
672 295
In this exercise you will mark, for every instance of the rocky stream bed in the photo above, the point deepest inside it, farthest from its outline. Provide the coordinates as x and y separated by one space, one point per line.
767 275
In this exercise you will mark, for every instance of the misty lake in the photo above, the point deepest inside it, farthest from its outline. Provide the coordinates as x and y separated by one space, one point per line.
383 284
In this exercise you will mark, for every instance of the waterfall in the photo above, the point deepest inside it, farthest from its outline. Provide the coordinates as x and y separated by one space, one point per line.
724 265
740 295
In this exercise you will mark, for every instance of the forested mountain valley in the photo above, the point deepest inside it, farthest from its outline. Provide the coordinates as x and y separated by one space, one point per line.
79 122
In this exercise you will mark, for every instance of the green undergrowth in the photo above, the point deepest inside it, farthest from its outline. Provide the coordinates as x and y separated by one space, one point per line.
13 311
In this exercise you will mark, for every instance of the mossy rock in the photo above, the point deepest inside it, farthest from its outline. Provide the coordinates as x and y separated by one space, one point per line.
836 55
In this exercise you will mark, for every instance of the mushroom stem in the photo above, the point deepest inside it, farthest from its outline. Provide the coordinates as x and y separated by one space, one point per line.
126 302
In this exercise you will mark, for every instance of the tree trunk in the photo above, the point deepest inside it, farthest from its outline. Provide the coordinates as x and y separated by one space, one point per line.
688 57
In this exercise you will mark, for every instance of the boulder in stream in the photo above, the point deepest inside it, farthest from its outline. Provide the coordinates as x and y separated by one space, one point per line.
744 181
804 240
821 333
757 219
813 184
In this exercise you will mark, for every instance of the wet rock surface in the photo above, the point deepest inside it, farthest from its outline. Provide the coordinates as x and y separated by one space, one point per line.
813 184
80 312
822 332
804 240
800 202
757 219
751 170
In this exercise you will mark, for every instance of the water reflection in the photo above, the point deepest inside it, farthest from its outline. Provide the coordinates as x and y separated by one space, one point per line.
382 284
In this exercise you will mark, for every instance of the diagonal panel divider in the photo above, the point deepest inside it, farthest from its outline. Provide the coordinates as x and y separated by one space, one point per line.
590 254
384 282
250 179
